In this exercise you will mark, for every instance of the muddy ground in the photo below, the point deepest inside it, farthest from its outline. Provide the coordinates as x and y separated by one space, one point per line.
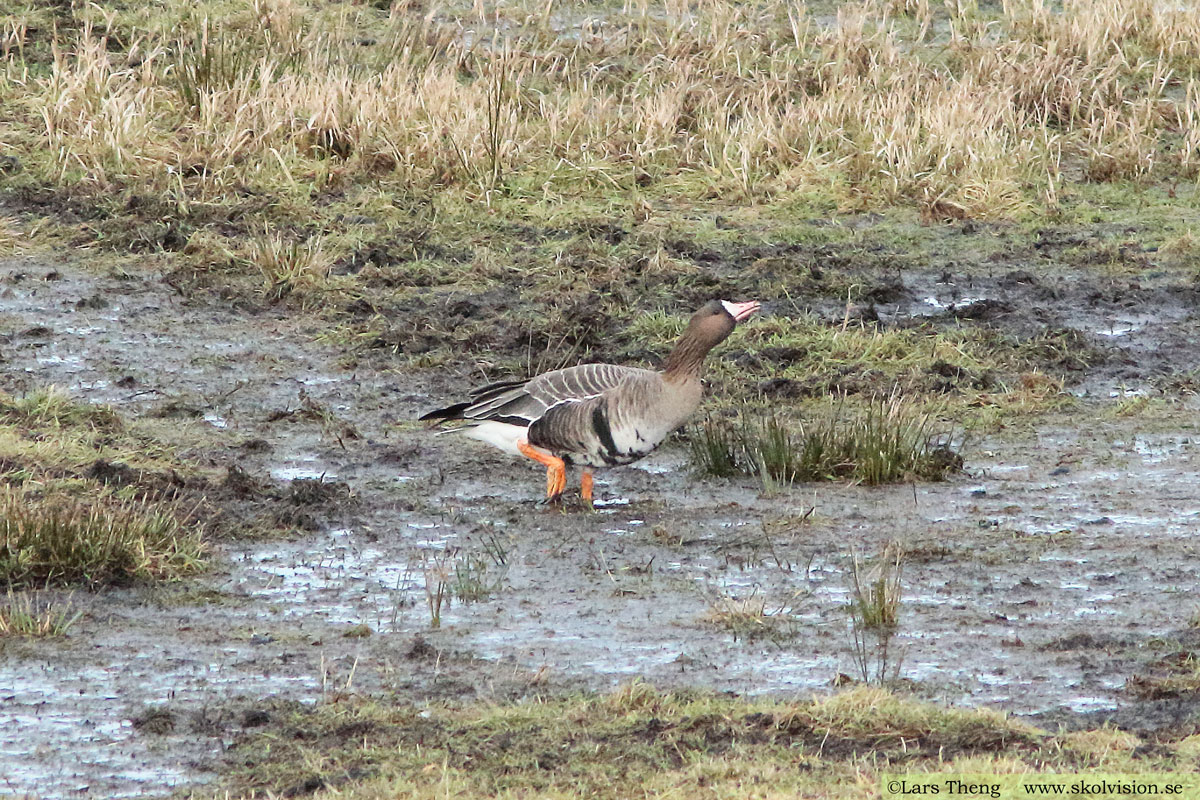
1058 565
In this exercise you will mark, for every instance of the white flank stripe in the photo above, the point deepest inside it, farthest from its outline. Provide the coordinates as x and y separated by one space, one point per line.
498 434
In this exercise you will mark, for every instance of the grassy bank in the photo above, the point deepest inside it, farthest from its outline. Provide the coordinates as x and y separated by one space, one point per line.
644 743
971 110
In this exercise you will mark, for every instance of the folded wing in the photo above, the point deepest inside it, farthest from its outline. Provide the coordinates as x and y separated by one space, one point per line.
525 402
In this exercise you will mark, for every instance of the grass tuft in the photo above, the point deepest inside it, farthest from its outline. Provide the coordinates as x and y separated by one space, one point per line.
748 617
207 61
888 441
878 716
87 498
875 597
34 614
439 589
288 266
53 407
474 581
58 539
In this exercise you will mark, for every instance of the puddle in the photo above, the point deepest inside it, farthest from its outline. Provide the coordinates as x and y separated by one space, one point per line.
958 302
1117 327
340 584
1085 705
303 467
1121 329
318 380
71 732
71 362
1157 449
662 463
610 503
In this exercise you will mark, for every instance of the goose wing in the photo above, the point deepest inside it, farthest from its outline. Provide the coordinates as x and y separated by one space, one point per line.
525 402
617 426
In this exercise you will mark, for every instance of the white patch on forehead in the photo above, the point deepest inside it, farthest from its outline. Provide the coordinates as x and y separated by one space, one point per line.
729 308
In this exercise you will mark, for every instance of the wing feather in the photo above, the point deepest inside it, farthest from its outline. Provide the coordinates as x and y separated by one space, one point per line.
530 400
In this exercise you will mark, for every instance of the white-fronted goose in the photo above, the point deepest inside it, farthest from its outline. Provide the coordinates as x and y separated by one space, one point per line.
596 415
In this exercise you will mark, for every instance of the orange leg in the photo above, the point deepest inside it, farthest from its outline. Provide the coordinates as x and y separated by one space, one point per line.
585 486
556 470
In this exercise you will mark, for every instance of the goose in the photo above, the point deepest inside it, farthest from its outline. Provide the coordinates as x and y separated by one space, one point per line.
595 415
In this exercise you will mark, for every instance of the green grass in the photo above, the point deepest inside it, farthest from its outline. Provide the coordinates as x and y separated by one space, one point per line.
885 441
51 407
439 589
50 438
639 742
57 539
876 596
474 579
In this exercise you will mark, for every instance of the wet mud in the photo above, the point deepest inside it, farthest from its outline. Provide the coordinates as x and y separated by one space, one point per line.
1057 566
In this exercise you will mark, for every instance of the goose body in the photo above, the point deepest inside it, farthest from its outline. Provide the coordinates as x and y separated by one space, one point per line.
593 415
596 415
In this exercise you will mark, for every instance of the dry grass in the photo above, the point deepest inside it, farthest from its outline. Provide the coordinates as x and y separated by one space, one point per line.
287 266
639 742
8 237
1175 676
959 112
750 616
376 164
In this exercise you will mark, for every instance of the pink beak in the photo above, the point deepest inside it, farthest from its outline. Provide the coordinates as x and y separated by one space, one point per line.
739 311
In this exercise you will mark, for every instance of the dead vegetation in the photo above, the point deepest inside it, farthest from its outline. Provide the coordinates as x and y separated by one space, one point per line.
184 123
966 112
751 616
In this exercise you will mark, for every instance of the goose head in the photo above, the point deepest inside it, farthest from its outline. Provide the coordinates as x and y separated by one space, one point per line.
707 328
716 319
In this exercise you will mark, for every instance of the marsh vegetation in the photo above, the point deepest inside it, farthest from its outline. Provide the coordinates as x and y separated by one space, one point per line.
81 503
888 441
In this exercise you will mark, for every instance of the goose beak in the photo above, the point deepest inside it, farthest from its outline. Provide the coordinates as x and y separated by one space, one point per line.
739 311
